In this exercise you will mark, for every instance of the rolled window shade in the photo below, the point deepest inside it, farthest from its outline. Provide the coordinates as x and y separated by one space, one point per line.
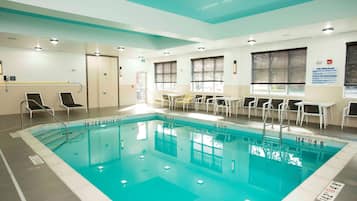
351 64
279 67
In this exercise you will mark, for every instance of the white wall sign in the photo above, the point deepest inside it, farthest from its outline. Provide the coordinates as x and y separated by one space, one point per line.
324 75
331 191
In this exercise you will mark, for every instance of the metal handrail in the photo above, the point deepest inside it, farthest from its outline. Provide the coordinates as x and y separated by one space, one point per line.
45 109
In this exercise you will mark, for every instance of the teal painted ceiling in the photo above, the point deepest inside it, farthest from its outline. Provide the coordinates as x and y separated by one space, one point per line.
218 11
26 23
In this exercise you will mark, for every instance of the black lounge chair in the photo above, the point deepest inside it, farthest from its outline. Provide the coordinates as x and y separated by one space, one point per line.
40 106
68 102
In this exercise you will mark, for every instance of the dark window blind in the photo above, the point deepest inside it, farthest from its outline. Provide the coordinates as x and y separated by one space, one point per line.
165 72
351 64
279 67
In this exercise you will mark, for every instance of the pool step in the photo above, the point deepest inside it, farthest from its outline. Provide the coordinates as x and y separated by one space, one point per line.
53 138
44 137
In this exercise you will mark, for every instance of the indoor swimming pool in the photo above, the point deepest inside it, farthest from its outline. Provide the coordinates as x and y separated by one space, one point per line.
159 158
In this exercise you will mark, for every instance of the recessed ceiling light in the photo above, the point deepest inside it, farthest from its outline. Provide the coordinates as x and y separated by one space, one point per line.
167 53
200 181
121 49
201 49
97 53
252 41
54 41
38 48
328 30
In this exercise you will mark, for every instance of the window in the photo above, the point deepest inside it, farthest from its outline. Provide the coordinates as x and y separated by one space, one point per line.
206 151
207 74
351 70
165 75
279 72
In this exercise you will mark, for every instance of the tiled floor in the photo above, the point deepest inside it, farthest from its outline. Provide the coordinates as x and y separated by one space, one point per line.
39 183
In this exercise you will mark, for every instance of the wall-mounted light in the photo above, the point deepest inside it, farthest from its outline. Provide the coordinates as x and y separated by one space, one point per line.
141 58
97 53
201 49
38 48
235 67
54 41
328 30
121 49
167 53
252 42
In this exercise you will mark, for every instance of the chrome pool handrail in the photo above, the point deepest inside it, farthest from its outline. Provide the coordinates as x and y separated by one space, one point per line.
45 109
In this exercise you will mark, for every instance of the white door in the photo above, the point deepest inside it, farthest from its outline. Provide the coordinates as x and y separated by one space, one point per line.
141 87
102 81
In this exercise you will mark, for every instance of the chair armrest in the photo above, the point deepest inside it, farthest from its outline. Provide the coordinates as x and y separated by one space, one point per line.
251 103
345 111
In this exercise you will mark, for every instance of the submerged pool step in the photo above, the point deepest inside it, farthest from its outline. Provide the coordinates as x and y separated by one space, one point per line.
53 138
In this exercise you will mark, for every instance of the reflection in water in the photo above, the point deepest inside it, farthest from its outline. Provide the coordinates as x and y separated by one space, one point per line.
166 140
206 151
104 148
142 131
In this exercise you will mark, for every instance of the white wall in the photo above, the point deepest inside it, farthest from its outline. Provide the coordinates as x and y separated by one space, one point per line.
31 66
50 72
319 49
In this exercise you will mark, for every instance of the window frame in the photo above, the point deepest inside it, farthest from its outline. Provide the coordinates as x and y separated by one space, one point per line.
353 91
166 85
288 85
204 72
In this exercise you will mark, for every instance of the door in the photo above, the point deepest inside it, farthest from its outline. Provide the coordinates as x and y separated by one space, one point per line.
141 87
102 75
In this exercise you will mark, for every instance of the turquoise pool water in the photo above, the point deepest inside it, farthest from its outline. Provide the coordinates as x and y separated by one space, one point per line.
158 160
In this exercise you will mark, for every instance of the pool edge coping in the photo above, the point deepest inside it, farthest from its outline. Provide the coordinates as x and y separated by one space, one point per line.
309 189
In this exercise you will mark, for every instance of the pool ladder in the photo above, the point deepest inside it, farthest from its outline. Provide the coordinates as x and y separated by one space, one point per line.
39 105
282 116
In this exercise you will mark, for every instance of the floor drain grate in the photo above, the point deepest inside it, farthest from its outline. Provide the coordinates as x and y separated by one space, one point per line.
36 160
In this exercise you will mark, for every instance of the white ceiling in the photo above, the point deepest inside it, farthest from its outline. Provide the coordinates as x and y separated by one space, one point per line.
284 24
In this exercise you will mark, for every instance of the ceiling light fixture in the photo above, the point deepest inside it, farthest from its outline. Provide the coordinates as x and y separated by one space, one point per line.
38 48
97 53
201 49
121 49
54 41
252 41
328 30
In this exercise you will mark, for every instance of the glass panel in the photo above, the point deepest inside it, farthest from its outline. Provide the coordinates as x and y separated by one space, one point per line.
173 77
260 75
351 91
167 67
197 76
261 61
297 66
208 64
218 76
279 76
278 89
260 89
219 86
208 76
219 64
159 86
159 78
279 67
296 90
158 68
173 67
167 77
208 87
197 66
